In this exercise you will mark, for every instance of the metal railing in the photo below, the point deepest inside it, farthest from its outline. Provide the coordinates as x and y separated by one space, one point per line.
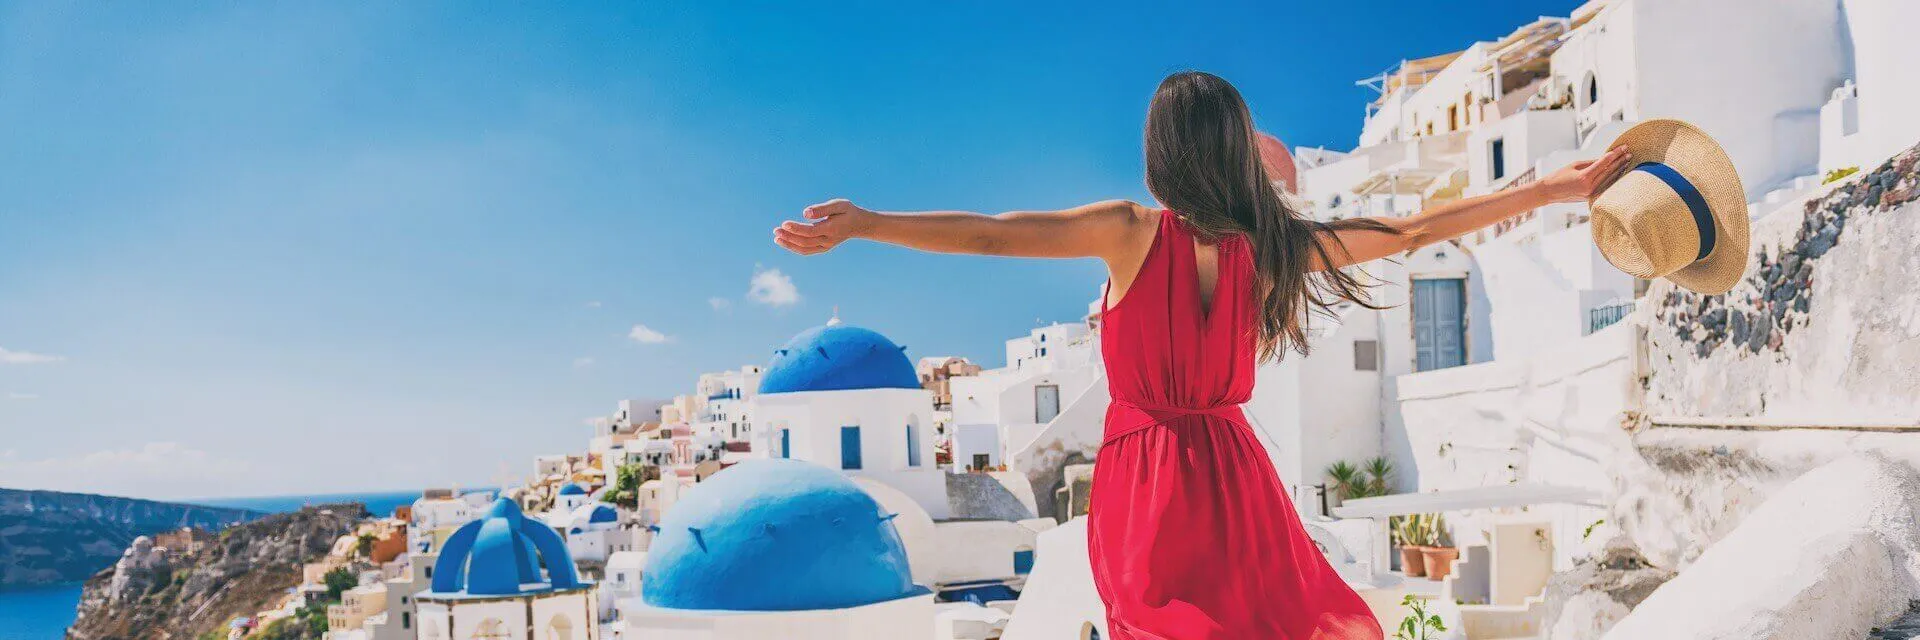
1605 315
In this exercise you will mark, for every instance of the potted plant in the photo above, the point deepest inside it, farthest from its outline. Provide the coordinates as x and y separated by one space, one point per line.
1409 531
1439 552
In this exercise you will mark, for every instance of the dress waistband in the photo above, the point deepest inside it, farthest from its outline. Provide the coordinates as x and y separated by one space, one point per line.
1135 416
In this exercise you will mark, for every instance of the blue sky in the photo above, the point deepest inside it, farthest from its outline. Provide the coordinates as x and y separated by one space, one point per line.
268 248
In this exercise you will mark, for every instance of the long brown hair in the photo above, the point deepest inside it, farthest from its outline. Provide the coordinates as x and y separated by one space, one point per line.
1202 162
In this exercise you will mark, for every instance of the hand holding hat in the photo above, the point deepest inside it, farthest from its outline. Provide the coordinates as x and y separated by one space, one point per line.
1678 212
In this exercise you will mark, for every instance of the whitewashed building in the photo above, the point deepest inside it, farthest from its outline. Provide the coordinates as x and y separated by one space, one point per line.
997 412
725 403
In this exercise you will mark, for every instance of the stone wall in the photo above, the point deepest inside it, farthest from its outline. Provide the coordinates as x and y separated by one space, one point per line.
1823 333
1812 357
1825 328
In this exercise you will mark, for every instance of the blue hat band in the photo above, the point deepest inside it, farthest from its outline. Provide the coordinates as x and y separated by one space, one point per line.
1696 203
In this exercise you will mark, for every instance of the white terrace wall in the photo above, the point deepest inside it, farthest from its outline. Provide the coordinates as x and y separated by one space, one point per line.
1822 334
1553 418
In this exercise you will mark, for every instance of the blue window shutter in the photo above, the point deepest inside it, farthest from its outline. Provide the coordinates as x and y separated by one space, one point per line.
850 447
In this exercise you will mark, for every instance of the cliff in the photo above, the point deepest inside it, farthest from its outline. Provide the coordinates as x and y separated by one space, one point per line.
249 568
48 537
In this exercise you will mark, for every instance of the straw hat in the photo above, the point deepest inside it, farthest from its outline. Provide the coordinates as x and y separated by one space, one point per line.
1679 213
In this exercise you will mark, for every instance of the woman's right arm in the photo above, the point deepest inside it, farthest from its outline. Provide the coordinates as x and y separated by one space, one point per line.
1116 231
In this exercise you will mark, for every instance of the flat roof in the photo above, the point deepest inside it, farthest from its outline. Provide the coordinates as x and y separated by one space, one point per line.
1493 497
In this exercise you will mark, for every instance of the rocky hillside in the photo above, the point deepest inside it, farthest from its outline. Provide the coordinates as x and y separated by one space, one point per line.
250 567
48 537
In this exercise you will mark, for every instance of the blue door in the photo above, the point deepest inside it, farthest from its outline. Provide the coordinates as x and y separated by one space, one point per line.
1439 323
1023 561
786 443
849 447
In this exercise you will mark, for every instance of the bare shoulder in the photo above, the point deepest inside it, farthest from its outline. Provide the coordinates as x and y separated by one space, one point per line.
1125 217
1126 228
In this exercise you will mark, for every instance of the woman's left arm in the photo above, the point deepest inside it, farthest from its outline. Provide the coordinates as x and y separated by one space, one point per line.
1103 229
1580 181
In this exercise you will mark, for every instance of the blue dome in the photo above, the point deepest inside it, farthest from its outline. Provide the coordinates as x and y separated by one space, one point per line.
603 513
775 535
501 554
571 489
837 357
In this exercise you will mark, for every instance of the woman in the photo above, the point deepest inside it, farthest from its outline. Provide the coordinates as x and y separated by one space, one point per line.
1189 530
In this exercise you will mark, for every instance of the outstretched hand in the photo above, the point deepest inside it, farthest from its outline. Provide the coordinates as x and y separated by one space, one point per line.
1584 180
831 223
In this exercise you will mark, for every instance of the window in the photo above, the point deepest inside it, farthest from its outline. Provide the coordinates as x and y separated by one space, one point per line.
1593 90
1023 561
1366 355
980 461
1497 155
1453 117
1046 403
786 443
406 619
850 447
913 446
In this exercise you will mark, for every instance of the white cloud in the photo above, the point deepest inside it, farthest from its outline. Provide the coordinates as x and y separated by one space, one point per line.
155 469
593 304
644 335
582 362
20 395
773 288
26 357
718 303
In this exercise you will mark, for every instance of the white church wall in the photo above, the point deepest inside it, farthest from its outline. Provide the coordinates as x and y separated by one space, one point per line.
908 618
815 418
572 613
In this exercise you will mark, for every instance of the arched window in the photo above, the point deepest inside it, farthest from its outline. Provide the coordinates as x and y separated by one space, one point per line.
913 446
491 629
559 628
1592 90
1088 632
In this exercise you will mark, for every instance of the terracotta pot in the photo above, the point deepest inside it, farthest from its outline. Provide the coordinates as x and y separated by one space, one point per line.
1439 561
1413 561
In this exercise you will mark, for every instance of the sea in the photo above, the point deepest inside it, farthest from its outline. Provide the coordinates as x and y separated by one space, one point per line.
43 613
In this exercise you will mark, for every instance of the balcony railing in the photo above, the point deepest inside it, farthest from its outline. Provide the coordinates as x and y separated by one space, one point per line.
1604 316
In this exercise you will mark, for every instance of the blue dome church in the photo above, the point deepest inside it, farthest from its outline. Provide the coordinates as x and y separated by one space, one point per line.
778 548
506 576
847 398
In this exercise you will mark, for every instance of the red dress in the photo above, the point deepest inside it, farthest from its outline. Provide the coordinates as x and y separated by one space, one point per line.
1190 532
